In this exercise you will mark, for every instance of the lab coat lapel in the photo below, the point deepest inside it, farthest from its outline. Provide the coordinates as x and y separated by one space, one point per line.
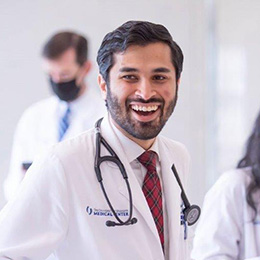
139 201
172 195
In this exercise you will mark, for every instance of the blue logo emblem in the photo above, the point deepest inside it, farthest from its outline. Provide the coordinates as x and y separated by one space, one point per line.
89 210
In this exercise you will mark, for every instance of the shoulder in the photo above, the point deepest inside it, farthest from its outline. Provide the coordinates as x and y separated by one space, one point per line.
41 106
80 146
232 181
173 147
35 113
230 187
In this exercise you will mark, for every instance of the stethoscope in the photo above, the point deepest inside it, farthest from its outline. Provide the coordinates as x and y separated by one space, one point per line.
191 213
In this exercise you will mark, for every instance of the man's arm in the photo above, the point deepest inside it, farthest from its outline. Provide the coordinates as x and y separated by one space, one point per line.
20 148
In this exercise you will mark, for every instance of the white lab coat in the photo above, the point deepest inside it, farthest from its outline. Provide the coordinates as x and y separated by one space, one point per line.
37 130
226 230
60 206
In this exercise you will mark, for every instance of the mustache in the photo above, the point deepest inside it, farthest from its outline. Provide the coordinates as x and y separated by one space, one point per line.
140 100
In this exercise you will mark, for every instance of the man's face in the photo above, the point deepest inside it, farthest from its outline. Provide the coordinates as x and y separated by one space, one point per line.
142 90
63 69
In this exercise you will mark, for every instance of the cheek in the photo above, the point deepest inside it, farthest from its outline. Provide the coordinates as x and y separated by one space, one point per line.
125 93
120 93
168 95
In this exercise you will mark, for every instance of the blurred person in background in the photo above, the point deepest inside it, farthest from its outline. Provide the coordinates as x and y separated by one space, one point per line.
70 111
229 228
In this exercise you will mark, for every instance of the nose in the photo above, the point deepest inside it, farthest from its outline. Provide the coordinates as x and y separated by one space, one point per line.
55 78
145 90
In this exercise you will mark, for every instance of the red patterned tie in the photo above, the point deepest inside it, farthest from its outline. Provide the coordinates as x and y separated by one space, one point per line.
152 190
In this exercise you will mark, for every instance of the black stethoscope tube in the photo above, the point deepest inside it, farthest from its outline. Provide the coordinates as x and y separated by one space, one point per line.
191 212
113 158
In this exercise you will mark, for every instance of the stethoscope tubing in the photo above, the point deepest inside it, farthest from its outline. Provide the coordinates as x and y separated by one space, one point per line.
114 159
191 212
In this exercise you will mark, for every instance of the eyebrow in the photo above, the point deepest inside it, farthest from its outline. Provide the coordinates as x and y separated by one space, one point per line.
129 69
162 69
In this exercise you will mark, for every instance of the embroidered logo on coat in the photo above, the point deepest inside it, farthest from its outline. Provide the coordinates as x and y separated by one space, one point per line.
106 212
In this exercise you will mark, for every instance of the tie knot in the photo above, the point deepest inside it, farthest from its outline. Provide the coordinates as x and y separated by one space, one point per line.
148 160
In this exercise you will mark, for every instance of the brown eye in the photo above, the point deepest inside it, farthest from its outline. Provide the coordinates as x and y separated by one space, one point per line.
159 77
130 77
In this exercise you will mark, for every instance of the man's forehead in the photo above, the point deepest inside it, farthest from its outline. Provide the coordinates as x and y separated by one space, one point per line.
65 60
68 56
154 55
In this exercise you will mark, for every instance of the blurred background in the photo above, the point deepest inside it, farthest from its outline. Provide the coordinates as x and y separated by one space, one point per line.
219 91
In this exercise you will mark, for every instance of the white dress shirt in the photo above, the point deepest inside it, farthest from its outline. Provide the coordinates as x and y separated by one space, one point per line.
132 152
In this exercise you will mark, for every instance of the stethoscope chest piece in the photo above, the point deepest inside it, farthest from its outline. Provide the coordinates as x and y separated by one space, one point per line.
191 214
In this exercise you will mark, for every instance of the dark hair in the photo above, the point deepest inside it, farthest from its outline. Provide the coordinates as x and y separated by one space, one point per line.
62 41
136 33
252 159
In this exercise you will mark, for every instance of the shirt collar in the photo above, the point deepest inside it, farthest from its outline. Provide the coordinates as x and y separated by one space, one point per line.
76 104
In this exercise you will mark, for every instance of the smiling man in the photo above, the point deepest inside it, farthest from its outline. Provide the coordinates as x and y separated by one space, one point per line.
144 85
110 193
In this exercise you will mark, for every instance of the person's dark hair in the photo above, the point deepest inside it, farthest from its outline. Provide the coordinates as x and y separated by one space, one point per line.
62 41
252 159
136 33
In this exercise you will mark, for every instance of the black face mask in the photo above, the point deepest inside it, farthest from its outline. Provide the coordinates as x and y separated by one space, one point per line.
66 91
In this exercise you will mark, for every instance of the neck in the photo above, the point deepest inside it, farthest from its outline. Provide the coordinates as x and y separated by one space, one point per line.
145 144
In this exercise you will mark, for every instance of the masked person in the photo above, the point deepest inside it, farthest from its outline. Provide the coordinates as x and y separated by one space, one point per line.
72 110
110 193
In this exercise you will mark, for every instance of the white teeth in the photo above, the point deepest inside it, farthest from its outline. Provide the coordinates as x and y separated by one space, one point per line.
144 108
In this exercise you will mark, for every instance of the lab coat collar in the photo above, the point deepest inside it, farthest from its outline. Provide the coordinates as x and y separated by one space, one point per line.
172 194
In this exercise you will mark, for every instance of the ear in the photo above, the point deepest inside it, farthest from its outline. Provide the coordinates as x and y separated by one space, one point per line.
103 86
84 70
87 67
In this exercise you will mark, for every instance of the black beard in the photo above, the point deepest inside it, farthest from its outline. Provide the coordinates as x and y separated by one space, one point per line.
139 130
